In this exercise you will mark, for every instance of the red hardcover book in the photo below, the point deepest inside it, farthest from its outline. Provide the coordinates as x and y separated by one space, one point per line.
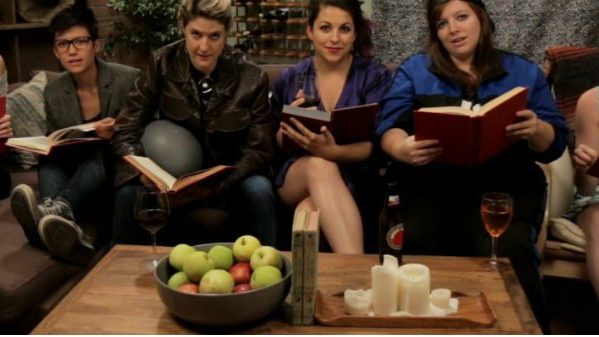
348 125
470 138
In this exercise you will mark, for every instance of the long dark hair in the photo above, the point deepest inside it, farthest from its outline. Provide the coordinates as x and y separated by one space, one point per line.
486 57
363 45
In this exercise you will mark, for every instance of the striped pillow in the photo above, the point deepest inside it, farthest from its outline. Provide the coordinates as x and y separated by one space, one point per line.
26 107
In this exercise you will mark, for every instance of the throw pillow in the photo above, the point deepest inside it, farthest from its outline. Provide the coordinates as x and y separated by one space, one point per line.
26 107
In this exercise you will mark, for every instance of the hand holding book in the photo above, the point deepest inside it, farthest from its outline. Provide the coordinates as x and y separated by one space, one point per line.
319 144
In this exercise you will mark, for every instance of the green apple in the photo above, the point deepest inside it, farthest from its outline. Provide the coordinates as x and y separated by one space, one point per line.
221 256
244 247
196 264
217 281
266 256
264 276
177 279
177 254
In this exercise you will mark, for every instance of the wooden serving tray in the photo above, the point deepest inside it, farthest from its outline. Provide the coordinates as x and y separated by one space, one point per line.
473 312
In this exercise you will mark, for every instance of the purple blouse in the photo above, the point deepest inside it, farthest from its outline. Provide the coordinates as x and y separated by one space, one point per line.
367 82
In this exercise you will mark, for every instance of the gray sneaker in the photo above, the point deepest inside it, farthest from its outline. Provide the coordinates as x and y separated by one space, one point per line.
24 207
65 240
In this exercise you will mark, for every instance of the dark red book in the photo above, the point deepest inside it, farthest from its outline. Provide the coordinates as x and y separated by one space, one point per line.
348 125
470 138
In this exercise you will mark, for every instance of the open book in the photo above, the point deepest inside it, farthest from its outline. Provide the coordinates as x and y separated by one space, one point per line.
348 125
471 137
166 182
83 133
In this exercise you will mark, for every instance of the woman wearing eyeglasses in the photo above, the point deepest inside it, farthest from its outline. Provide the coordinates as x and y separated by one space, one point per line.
441 203
74 178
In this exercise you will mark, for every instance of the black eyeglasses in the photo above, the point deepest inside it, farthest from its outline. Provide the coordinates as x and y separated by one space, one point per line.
78 43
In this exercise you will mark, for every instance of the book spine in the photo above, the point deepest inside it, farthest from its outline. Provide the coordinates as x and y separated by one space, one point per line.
310 275
297 257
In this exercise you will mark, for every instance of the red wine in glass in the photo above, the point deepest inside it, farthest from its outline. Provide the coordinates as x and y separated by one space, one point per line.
151 210
152 220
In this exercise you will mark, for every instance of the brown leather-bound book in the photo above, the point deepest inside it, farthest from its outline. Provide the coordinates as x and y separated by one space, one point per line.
167 183
470 137
348 125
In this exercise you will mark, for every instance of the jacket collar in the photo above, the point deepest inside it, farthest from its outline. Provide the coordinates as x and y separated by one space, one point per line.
105 79
180 70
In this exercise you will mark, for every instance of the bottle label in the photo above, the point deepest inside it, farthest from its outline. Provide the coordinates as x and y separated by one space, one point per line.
395 237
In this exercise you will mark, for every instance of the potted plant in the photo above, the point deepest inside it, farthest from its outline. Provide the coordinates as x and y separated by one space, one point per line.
147 25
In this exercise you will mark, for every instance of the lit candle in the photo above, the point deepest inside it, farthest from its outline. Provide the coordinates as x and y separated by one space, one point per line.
384 290
414 288
440 298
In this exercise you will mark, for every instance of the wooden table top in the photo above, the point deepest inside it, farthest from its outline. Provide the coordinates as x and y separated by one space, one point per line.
118 297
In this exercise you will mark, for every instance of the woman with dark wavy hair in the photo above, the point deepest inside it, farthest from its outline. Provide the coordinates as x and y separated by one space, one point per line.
463 67
340 74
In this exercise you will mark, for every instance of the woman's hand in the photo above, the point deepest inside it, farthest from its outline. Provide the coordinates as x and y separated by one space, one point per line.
418 153
319 144
584 156
526 128
105 128
5 127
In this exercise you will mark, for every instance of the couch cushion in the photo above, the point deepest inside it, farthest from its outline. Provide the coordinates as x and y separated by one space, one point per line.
21 266
573 70
26 106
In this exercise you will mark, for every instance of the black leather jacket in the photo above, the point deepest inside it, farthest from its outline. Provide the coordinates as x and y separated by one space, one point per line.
238 125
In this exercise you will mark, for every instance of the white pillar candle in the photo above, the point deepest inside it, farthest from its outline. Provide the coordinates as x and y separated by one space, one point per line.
384 290
440 298
357 302
414 288
390 261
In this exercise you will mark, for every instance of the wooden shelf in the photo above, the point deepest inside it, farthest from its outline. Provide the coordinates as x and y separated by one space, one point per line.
22 26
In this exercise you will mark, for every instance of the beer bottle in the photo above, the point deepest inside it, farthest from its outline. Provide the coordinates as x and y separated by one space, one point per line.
391 227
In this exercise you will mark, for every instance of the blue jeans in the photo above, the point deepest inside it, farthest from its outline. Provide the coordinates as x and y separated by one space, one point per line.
253 201
76 178
250 203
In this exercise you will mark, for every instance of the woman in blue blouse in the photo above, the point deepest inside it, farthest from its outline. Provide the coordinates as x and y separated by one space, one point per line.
341 73
441 203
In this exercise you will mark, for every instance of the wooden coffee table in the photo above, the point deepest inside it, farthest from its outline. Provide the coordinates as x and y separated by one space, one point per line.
118 297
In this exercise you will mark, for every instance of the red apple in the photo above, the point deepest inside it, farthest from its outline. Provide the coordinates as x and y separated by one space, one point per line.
242 288
241 272
188 288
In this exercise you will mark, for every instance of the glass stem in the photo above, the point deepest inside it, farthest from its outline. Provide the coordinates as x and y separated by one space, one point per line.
493 250
154 260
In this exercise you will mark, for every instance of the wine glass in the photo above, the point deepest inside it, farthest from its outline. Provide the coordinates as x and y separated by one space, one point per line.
307 84
496 211
151 209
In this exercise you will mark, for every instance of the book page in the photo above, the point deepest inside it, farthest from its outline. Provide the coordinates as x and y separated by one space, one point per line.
307 113
38 142
453 110
194 177
500 99
153 171
80 129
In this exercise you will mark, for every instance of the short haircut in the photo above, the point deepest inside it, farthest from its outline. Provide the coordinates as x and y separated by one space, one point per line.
218 10
74 16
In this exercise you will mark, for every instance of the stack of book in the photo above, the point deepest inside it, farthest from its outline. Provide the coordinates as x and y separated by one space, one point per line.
304 256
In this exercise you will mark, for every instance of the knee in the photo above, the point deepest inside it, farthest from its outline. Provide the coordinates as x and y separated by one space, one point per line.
257 187
320 169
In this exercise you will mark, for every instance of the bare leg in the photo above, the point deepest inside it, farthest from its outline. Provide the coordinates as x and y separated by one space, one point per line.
321 181
588 220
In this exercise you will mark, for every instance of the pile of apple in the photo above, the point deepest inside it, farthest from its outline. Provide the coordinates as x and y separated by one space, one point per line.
223 270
